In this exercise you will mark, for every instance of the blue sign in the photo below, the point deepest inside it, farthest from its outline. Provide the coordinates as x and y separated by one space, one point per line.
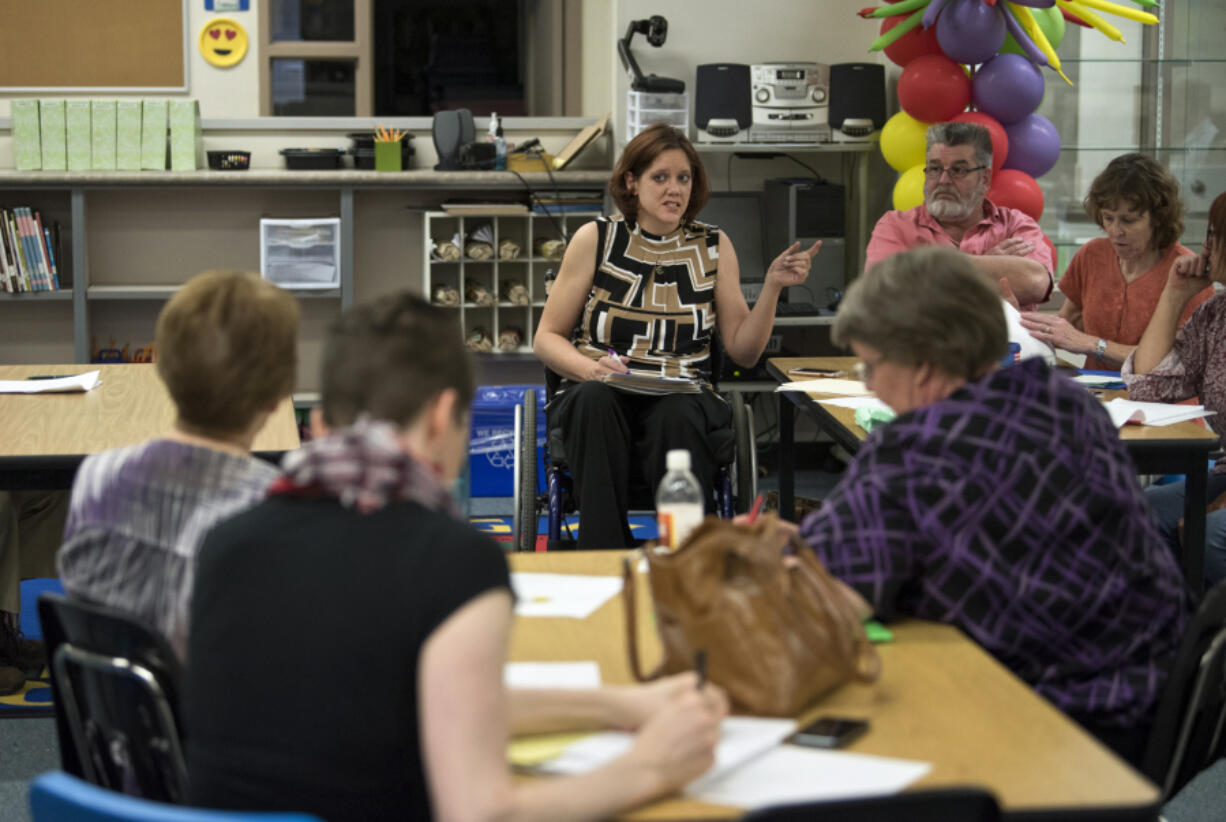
227 5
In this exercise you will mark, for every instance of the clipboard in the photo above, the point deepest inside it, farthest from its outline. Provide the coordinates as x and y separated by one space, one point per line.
582 140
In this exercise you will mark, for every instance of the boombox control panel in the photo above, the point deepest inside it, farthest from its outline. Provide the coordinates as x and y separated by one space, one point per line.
790 102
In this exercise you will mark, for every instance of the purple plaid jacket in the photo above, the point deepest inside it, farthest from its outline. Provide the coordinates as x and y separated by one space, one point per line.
1012 511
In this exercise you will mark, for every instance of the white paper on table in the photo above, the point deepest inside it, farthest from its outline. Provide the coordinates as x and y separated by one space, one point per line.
551 674
788 773
857 402
1152 413
1075 360
850 388
562 595
75 383
741 739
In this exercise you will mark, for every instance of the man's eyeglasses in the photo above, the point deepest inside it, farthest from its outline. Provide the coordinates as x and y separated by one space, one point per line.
934 172
862 370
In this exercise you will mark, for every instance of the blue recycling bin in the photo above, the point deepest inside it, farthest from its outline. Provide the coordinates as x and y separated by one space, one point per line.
491 450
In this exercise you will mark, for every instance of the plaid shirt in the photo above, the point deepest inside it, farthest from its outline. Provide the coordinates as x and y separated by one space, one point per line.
1012 511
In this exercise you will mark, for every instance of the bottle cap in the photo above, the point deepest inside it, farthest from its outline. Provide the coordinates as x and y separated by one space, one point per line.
678 460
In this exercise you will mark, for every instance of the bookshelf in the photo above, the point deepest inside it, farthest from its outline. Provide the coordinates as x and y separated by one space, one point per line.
130 239
527 269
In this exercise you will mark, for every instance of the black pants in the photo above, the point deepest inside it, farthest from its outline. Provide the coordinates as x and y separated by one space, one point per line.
605 432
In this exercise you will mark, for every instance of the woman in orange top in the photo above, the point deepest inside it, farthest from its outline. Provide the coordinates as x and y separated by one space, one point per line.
1112 284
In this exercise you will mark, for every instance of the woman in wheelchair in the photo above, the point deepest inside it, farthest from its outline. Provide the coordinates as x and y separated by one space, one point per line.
644 292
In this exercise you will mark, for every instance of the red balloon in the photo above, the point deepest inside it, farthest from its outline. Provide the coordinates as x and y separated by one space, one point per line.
1000 140
1016 189
915 43
933 88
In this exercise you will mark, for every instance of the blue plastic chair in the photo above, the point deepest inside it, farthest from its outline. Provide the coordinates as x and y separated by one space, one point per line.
60 797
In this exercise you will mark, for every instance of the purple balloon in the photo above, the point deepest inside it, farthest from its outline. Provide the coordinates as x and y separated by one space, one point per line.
1008 87
970 31
1034 145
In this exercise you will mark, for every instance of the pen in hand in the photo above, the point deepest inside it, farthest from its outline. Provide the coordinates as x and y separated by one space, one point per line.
618 359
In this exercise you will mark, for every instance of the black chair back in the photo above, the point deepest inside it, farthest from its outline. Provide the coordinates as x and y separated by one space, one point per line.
1187 735
115 683
939 805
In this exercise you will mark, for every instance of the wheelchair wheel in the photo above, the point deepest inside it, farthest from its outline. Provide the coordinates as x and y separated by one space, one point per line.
745 474
523 527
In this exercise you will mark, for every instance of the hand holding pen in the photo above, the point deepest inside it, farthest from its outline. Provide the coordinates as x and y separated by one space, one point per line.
609 364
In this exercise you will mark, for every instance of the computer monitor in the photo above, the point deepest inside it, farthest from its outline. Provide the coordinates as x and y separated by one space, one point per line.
739 214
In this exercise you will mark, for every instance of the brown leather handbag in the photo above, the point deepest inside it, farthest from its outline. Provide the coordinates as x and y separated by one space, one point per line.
777 634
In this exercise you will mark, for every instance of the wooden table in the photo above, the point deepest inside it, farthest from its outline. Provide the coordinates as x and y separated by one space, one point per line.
1182 448
940 699
44 437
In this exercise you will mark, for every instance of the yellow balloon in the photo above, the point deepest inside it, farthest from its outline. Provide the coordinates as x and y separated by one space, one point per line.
909 190
902 141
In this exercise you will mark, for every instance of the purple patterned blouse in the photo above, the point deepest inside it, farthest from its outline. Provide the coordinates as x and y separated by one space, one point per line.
1194 367
1012 511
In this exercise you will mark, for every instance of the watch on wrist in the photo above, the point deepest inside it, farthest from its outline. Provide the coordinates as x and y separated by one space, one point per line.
1101 348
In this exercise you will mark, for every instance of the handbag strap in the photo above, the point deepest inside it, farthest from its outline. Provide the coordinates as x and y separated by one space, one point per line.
629 605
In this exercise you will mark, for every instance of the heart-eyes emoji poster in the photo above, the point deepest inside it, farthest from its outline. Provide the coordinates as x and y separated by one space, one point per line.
223 42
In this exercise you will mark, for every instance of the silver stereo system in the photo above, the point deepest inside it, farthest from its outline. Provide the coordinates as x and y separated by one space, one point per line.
790 103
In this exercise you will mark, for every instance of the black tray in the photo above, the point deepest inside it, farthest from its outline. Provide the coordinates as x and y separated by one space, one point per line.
301 159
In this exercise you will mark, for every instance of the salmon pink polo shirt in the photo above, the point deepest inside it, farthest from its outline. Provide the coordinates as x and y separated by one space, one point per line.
900 230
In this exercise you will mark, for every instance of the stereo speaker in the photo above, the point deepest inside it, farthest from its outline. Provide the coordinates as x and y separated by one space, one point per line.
857 92
451 129
721 99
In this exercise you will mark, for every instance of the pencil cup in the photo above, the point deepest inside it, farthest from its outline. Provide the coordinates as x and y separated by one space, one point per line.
387 155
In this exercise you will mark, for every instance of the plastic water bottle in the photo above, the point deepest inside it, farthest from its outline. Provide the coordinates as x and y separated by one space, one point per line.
679 507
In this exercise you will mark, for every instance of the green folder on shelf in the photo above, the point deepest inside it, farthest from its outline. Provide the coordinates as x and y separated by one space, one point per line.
186 138
102 134
77 122
54 135
27 142
127 135
153 135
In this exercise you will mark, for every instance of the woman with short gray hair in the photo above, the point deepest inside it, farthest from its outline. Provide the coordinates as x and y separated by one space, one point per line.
1000 501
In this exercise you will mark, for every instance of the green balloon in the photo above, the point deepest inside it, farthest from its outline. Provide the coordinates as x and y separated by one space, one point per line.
1051 23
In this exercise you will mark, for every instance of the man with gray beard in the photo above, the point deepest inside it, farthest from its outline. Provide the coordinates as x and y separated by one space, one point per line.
1005 245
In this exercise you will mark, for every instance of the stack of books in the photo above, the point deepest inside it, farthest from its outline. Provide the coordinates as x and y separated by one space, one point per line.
27 252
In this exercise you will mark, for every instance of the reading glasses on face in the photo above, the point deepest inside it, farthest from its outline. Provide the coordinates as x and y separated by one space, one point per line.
955 172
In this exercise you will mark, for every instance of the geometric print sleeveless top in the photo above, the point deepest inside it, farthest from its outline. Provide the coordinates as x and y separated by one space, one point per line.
653 298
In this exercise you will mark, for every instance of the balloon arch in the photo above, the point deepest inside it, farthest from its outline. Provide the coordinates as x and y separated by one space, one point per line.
979 61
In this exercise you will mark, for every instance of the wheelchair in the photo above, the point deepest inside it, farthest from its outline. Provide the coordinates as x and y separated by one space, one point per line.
736 482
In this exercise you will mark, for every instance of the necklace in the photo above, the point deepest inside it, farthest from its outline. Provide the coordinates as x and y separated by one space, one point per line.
657 264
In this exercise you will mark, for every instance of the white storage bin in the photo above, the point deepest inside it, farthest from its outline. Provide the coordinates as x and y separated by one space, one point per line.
301 253
645 107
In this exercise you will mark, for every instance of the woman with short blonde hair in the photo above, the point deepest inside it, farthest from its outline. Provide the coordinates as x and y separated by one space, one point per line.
226 350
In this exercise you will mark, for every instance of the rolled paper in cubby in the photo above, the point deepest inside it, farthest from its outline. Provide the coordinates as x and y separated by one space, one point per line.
510 338
508 249
478 294
549 249
447 295
478 250
514 292
446 251
479 340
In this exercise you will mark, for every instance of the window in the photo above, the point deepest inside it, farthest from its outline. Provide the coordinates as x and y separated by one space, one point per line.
1158 94
414 57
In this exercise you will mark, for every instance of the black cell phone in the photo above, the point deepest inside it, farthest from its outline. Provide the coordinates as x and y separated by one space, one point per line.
830 732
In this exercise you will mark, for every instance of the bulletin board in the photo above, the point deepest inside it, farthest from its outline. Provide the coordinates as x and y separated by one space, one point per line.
68 45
